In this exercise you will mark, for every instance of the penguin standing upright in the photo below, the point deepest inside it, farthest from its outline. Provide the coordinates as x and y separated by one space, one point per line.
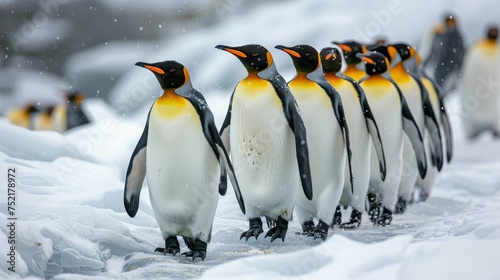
362 125
447 52
424 185
69 114
392 113
328 136
268 142
185 162
418 101
350 50
480 96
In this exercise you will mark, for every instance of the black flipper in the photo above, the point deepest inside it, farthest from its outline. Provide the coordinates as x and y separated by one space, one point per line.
225 129
432 125
445 122
338 109
372 127
136 172
215 141
413 133
292 114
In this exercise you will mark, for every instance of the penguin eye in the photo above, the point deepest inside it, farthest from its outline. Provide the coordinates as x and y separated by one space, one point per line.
307 54
255 54
172 70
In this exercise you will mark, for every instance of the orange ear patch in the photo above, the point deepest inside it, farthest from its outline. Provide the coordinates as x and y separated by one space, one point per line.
392 52
236 53
367 60
292 52
154 69
186 75
269 59
345 48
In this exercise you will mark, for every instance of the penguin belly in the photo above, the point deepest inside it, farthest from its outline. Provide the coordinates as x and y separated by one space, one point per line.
360 146
480 94
182 174
263 151
327 153
386 108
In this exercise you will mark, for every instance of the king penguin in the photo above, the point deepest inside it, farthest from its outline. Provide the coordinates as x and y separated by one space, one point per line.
69 114
423 186
391 112
268 143
421 108
350 50
328 136
185 162
480 96
363 130
24 117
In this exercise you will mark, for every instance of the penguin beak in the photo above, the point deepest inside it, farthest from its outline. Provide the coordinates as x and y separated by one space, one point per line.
231 50
288 50
148 66
364 58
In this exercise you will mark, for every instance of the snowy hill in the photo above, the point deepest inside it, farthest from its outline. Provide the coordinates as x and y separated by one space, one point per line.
71 222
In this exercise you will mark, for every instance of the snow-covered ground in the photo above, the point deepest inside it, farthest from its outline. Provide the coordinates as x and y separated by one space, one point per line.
71 222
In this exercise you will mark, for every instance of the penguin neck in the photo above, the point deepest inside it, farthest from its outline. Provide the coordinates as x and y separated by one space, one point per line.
376 79
266 74
332 76
170 104
353 72
399 73
183 90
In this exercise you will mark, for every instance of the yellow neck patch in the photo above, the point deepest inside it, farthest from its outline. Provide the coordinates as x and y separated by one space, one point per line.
170 104
399 74
253 81
354 73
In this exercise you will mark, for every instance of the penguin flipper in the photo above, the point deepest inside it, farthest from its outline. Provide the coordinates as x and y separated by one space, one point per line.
372 127
411 130
302 150
226 167
432 126
225 129
445 122
136 172
338 110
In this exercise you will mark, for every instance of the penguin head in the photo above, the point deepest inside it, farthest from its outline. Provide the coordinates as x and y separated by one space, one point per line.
30 109
74 96
170 74
375 63
254 57
388 51
351 49
450 21
404 50
331 59
492 33
305 58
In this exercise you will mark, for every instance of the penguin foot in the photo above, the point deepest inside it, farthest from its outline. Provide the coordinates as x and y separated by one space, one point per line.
254 230
373 207
307 227
279 231
385 218
337 217
199 251
354 221
171 246
320 231
401 206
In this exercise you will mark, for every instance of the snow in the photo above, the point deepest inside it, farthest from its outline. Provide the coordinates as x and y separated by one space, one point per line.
71 222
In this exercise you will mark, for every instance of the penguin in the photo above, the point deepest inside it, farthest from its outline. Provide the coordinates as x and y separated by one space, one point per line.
350 50
23 117
391 112
328 136
184 160
363 130
421 108
423 186
447 52
70 114
266 136
43 120
480 95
